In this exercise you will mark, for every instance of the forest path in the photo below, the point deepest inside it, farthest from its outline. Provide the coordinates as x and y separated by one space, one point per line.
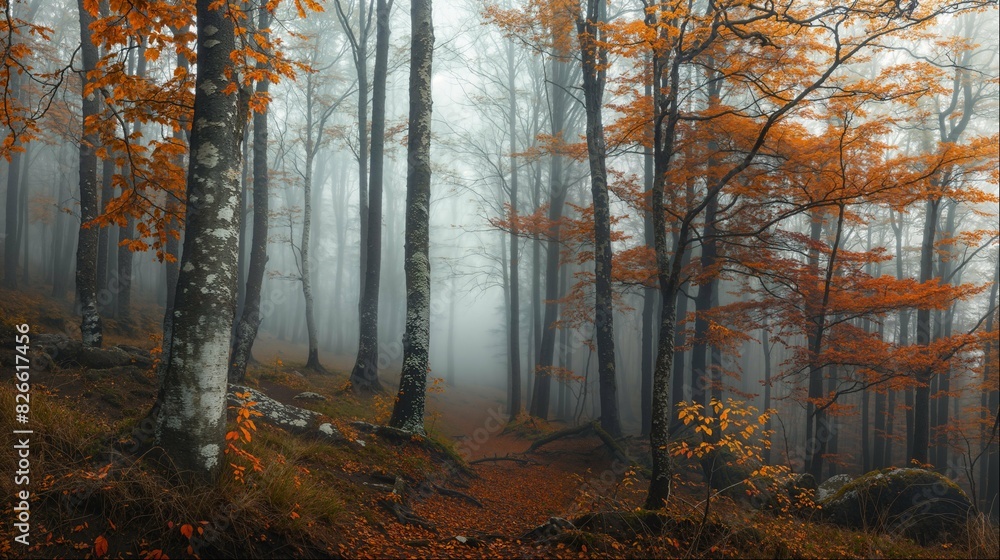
516 497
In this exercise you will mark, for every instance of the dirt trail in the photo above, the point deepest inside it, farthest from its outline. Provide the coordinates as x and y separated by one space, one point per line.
515 497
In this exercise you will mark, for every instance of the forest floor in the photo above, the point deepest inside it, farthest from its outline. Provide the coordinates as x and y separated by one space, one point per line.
94 496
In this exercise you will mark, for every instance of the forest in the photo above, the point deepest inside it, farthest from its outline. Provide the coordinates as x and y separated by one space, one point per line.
500 279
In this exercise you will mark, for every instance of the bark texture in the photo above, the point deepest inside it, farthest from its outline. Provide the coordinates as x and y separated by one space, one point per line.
86 250
190 425
250 320
593 61
408 413
364 376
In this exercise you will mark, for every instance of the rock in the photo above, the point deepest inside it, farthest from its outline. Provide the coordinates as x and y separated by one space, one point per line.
831 485
309 396
921 504
469 541
364 427
549 529
291 418
329 433
59 350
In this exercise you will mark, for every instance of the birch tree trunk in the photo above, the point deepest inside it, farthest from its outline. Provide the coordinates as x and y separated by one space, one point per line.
190 426
408 413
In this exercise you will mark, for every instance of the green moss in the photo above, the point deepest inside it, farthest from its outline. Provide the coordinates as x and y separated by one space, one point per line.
921 504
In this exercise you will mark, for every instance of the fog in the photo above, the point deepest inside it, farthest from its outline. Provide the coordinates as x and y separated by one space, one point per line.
745 332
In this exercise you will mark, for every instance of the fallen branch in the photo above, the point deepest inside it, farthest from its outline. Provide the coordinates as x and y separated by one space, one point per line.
495 459
559 435
610 442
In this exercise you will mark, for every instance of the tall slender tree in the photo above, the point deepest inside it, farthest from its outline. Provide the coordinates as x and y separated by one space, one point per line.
365 373
408 413
250 320
594 61
514 309
86 252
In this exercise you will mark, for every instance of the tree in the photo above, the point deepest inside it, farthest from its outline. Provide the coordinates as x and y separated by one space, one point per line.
91 328
969 91
408 412
191 423
249 321
365 373
559 18
514 311
816 41
594 61
19 122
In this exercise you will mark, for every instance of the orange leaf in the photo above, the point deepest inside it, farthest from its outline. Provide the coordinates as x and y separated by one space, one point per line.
100 546
187 530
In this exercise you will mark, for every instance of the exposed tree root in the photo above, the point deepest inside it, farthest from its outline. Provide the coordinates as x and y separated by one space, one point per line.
611 443
456 494
405 515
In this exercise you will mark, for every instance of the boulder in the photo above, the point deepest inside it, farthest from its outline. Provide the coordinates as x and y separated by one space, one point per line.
59 350
309 396
831 485
921 504
291 418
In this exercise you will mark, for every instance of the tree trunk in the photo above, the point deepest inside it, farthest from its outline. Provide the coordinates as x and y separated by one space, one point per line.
312 360
943 329
192 416
668 274
593 62
816 434
765 344
11 245
249 321
557 197
123 308
103 237
702 376
921 403
364 376
408 413
989 478
514 320
648 294
86 252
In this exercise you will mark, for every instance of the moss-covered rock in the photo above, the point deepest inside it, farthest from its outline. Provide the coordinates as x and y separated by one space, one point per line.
920 504
831 485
